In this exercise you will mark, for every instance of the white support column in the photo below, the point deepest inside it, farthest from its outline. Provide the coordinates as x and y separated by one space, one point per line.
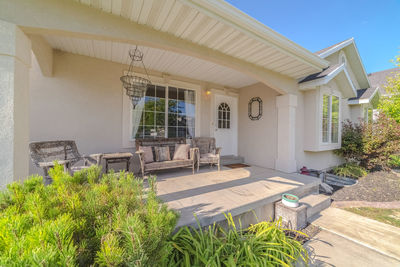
15 60
286 105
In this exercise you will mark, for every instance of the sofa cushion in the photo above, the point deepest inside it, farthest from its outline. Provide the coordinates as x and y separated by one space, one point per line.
181 151
162 153
168 164
148 153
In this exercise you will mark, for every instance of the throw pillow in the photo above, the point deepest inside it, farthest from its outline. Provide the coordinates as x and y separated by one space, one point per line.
181 151
162 153
148 154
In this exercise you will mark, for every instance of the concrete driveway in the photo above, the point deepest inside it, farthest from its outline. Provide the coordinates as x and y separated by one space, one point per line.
348 239
329 249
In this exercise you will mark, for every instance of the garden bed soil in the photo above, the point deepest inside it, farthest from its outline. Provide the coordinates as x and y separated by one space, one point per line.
377 186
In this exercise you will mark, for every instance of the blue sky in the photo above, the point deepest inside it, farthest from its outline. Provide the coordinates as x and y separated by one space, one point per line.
375 25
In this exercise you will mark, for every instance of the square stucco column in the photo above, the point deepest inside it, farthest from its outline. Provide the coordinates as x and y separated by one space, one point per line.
15 60
286 105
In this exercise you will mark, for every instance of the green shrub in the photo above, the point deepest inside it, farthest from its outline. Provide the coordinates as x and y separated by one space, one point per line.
263 244
350 170
84 220
370 144
394 161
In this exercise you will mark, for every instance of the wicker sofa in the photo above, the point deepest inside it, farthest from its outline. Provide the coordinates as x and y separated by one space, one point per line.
161 165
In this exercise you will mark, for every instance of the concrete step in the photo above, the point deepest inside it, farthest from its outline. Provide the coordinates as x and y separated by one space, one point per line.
231 159
315 203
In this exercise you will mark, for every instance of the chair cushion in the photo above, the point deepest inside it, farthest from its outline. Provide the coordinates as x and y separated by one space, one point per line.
208 155
181 151
162 153
148 153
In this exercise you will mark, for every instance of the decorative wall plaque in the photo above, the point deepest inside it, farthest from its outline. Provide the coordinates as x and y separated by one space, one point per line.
255 108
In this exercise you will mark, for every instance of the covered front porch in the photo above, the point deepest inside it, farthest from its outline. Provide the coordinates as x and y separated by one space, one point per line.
247 193
68 88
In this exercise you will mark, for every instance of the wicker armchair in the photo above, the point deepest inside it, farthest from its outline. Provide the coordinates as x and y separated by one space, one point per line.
44 154
207 153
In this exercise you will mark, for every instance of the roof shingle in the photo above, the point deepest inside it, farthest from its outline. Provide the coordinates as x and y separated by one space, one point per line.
321 74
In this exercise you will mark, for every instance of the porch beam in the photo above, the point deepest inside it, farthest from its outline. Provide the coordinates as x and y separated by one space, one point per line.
69 18
43 53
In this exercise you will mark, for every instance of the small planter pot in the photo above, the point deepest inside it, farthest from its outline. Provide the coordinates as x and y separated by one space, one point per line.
290 200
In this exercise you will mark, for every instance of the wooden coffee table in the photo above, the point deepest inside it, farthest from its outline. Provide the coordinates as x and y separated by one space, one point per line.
119 157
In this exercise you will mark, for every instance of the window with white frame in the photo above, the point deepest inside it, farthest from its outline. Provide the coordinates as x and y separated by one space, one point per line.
330 119
167 112
368 114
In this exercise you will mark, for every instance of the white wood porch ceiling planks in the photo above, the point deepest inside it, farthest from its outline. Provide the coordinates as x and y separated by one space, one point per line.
182 19
154 59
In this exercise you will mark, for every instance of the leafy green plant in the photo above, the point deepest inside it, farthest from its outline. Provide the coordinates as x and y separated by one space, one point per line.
84 220
350 170
262 244
394 161
370 144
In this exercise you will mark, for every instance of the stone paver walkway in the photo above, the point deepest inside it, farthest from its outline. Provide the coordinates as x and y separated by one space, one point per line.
375 235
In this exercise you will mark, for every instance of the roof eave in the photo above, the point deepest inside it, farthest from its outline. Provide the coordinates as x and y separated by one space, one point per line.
364 100
229 14
324 80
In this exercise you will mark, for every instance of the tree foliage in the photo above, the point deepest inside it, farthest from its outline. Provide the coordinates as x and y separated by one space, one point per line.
390 104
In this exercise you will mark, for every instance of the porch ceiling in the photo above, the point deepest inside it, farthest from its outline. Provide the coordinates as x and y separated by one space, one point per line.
219 26
163 61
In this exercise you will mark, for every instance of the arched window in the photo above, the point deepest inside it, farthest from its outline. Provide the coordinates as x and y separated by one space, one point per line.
224 116
342 58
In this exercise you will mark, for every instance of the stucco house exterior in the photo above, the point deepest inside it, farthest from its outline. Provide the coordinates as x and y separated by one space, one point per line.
60 64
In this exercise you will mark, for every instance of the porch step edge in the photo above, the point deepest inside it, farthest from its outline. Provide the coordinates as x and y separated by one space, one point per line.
315 203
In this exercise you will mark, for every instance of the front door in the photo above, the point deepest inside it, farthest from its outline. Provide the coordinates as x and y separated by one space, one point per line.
225 123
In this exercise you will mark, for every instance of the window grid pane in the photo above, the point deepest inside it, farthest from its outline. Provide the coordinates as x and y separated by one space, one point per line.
223 116
178 121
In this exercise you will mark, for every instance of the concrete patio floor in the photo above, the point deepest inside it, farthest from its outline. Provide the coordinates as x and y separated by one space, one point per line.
209 194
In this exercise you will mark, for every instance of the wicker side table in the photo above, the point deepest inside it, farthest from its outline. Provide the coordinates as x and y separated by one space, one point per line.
121 157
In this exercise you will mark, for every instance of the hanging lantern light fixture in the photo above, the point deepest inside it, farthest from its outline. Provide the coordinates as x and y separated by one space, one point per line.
134 85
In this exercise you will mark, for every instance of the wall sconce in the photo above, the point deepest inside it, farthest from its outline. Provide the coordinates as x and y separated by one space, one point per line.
208 92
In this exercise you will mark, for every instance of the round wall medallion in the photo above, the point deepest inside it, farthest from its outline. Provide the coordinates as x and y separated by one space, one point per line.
255 108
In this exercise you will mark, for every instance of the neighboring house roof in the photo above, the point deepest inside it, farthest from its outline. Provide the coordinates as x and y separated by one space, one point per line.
337 72
379 78
363 96
353 58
